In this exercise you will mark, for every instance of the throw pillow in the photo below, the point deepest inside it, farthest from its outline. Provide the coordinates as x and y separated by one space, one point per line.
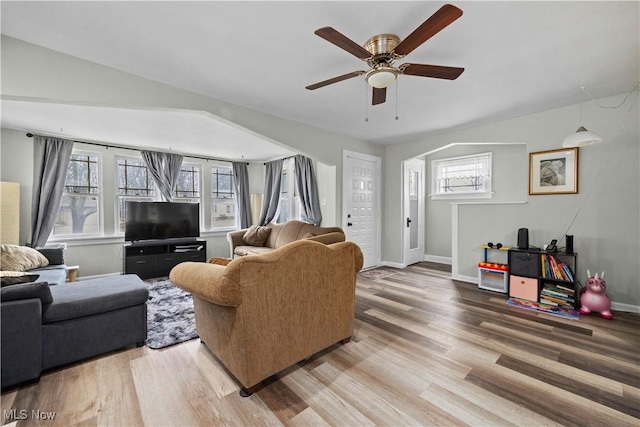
256 235
21 258
16 277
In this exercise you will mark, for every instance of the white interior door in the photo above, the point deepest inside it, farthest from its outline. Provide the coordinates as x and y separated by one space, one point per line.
413 208
361 204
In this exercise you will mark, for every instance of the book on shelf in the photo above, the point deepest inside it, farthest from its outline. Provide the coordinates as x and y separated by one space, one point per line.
552 268
555 303
554 294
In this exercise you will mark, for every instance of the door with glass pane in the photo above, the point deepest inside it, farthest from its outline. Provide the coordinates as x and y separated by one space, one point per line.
413 207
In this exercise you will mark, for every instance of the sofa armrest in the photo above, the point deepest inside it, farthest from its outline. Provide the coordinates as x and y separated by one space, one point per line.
328 238
24 291
206 281
54 255
21 332
235 239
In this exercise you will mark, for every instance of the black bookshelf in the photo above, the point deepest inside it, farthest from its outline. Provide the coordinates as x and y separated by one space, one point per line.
545 277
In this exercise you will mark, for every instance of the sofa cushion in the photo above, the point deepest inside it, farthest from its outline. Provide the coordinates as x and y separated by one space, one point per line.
17 277
86 298
54 255
256 235
328 238
21 258
53 274
31 290
251 250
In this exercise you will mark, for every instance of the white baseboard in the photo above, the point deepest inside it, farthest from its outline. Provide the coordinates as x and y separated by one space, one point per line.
468 279
97 276
625 307
392 264
438 259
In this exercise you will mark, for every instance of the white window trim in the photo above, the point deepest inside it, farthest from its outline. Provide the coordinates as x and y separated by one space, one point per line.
210 228
295 205
487 193
118 196
68 237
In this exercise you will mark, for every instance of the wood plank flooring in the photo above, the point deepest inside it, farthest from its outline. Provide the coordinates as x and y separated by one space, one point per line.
426 351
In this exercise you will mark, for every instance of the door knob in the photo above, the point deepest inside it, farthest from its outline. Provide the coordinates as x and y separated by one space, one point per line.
349 224
408 222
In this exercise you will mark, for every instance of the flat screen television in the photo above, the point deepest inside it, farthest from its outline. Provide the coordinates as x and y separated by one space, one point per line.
161 220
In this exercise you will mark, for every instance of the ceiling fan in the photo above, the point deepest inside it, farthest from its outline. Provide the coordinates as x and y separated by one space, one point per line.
381 51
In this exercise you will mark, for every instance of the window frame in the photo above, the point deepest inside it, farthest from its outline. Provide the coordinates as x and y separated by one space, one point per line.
123 198
294 204
485 193
99 195
214 195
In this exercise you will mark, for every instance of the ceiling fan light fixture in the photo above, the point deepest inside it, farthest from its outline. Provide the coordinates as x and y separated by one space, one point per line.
581 138
381 77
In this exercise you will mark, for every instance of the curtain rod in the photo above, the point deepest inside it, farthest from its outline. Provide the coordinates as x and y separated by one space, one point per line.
122 147
284 158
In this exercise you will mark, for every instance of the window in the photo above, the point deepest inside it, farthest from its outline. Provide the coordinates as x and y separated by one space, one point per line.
134 184
223 199
290 206
79 212
462 177
188 186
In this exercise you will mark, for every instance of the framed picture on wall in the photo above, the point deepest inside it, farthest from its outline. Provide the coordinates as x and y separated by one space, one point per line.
553 172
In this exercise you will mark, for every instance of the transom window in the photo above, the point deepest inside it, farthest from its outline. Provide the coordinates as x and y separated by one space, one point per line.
79 212
462 177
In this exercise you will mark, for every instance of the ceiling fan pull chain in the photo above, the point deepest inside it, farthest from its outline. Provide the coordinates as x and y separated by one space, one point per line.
366 102
396 99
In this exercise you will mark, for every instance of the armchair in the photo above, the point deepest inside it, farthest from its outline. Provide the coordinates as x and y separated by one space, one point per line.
260 314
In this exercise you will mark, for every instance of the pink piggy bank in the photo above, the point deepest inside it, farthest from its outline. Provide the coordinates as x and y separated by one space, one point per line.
593 297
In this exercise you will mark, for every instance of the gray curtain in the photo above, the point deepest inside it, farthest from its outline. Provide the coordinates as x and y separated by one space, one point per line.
308 189
272 181
241 184
165 169
51 158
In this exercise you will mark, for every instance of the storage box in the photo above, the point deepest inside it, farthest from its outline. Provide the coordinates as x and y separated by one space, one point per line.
523 287
523 263
492 280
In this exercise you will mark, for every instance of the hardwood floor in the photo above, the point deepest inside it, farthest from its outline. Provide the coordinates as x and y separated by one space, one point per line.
426 351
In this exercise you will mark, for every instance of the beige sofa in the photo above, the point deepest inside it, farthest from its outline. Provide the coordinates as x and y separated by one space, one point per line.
282 234
260 314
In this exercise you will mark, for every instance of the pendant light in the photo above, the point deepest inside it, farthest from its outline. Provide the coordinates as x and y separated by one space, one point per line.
582 137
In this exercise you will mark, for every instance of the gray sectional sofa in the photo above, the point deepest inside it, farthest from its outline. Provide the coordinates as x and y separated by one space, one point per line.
49 323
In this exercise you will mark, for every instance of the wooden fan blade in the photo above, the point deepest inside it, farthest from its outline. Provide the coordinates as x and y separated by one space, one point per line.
436 71
335 80
379 96
429 28
343 42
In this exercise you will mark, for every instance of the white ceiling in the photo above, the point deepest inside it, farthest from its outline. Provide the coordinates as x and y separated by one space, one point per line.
519 58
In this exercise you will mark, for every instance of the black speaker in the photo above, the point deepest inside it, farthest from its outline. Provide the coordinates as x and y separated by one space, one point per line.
569 245
523 238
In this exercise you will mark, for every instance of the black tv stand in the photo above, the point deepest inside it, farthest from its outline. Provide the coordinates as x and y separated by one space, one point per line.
156 258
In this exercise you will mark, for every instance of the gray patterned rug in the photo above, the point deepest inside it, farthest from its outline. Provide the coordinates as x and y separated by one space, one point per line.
170 317
376 273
